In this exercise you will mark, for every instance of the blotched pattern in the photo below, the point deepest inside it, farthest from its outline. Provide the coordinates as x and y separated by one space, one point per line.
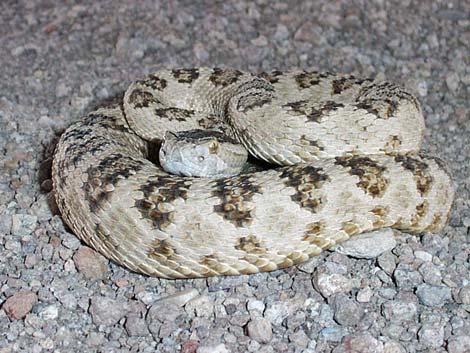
348 151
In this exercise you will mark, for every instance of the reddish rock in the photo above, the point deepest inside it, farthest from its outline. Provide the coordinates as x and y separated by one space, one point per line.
90 263
190 347
20 304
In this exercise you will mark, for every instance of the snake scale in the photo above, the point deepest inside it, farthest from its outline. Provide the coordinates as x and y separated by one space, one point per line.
348 158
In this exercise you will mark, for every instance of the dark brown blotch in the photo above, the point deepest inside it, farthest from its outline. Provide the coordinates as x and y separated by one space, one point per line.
154 82
306 180
174 113
224 77
370 173
157 193
420 172
103 178
313 113
309 79
141 99
185 75
234 193
272 76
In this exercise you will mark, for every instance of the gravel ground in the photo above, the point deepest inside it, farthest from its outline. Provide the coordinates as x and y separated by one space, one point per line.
60 60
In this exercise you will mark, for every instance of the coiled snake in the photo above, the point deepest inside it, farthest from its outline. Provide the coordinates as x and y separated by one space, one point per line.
349 158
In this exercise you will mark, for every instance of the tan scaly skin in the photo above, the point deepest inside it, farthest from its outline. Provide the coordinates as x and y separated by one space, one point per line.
352 164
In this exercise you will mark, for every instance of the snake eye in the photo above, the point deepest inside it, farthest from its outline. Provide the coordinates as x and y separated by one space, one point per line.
200 158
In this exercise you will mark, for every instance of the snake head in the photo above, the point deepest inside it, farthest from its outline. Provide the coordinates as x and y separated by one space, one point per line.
201 153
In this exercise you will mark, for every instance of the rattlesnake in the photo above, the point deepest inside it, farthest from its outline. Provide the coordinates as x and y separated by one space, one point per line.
351 164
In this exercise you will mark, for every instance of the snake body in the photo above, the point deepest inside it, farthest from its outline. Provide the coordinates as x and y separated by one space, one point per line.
348 150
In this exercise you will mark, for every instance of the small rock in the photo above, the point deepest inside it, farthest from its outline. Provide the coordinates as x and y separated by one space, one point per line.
50 312
259 41
95 338
147 297
62 90
347 311
393 347
452 81
430 336
296 319
200 52
20 304
164 312
369 245
23 224
90 263
458 344
387 262
255 305
329 284
5 223
277 312
260 330
107 311
364 295
202 305
423 256
464 294
332 333
47 343
213 349
282 32
434 296
70 241
189 347
406 277
399 311
431 274
136 326
180 298
299 339
361 343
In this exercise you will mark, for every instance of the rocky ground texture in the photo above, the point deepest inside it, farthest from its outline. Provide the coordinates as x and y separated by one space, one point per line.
60 59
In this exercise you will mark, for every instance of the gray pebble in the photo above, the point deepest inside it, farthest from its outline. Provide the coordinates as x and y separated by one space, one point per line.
202 306
164 312
387 262
299 339
23 224
329 284
332 333
434 296
458 344
255 305
406 277
5 223
364 343
50 312
180 298
399 311
347 311
260 329
136 326
107 311
220 348
369 245
464 294
431 336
